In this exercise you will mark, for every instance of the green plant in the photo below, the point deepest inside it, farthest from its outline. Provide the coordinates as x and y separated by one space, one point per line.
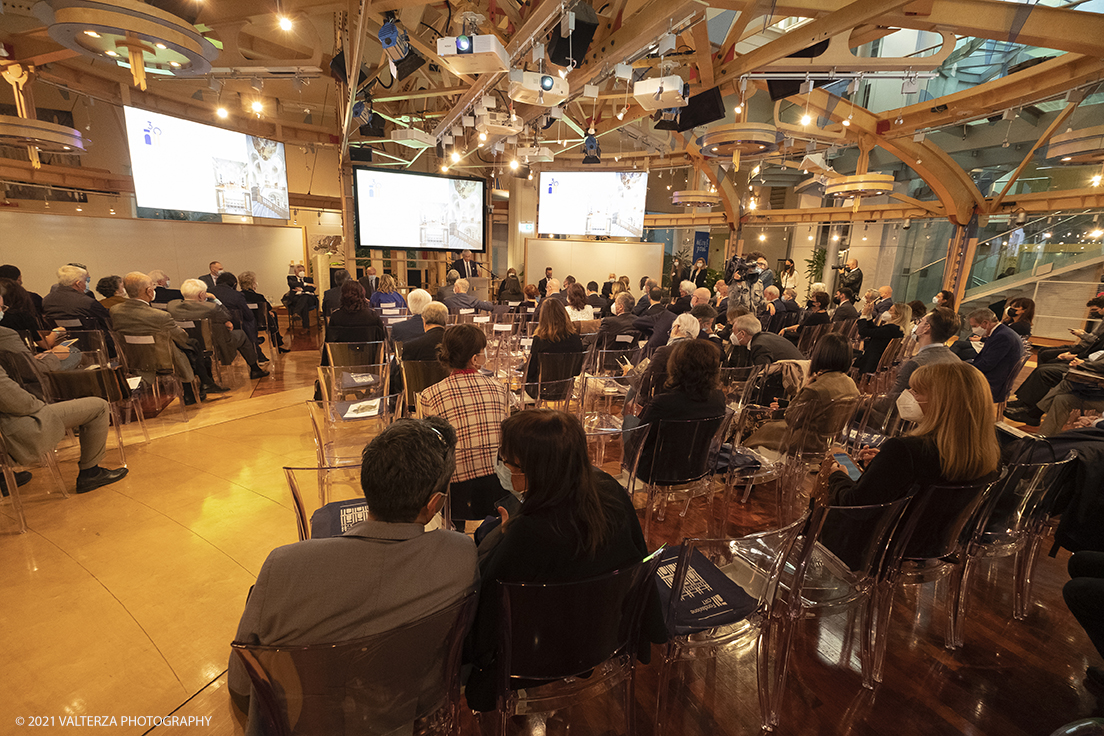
814 266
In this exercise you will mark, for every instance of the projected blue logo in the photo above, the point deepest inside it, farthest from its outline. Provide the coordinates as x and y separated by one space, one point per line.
152 135
552 185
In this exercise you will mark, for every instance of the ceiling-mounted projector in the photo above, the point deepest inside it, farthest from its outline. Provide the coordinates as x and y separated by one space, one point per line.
413 138
499 123
475 54
535 154
534 88
659 93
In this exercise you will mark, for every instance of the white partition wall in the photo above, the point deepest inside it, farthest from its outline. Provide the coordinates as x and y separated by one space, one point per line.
38 243
593 260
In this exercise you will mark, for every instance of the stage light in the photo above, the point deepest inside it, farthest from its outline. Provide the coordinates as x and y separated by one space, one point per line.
847 122
396 44
592 150
546 82
1096 180
257 106
1096 233
483 136
514 164
806 119
222 112
739 109
444 168
762 237
456 157
463 44
285 23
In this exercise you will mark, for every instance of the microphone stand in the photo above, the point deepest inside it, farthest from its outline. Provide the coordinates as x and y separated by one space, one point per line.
494 278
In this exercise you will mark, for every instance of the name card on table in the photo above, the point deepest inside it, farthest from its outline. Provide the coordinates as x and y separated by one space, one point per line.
527 342
391 311
481 320
623 338
467 311
362 409
512 304
503 328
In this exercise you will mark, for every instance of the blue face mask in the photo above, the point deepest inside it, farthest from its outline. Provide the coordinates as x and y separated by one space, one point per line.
505 476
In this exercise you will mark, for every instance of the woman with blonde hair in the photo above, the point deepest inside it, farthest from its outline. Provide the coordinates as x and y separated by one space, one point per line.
876 337
387 294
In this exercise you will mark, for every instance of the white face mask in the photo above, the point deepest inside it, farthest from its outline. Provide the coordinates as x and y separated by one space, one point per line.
884 317
505 476
909 407
935 300
979 331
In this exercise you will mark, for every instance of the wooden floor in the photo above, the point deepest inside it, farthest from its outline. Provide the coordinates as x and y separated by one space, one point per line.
122 603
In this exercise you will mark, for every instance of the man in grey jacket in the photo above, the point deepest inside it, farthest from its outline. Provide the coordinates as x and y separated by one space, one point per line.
936 327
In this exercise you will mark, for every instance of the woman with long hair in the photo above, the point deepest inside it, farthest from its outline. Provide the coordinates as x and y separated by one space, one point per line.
787 276
945 298
574 523
387 293
556 333
1019 315
577 307
876 337
354 320
510 288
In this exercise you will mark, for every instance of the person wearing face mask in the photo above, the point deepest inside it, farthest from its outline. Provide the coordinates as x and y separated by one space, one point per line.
763 347
851 276
933 330
954 441
1019 314
876 337
944 298
1053 365
211 278
652 382
1000 354
697 274
766 276
678 273
787 277
846 310
72 301
165 292
475 405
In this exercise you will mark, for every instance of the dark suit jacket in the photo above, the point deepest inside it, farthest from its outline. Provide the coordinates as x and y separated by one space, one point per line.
331 300
876 339
424 347
362 326
845 311
852 280
697 275
767 347
408 329
164 296
657 326
542 287
239 310
642 305
607 290
601 306
678 276
208 279
466 269
611 327
71 304
882 306
369 283
680 305
998 359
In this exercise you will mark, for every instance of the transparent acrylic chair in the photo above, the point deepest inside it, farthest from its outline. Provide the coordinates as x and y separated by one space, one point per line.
744 604
314 488
555 385
418 375
618 453
343 428
406 680
602 402
354 382
151 357
356 353
548 662
1018 502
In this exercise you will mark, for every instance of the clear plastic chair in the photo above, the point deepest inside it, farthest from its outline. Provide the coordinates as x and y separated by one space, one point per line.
49 461
356 353
354 382
1018 502
809 336
343 428
418 375
556 373
314 488
541 641
151 357
602 402
618 453
406 680
725 593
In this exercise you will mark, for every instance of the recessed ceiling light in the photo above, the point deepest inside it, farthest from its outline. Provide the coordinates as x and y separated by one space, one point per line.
111 53
222 112
285 23
1067 158
174 64
93 34
161 46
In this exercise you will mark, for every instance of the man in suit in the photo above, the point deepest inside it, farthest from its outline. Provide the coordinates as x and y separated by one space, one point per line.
331 298
383 573
846 310
226 336
1084 339
682 304
435 315
227 294
135 316
934 329
607 288
1025 409
601 305
645 302
764 347
851 276
461 299
164 293
465 266
659 325
542 285
1001 354
449 288
211 278
412 328
884 301
71 300
369 281
621 323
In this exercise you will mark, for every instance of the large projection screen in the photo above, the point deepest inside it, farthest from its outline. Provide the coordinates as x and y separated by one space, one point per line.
609 203
411 211
181 165
588 260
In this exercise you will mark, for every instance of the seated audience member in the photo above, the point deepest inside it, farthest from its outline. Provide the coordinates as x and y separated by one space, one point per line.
645 301
369 281
576 522
813 406
685 327
1072 394
164 293
8 271
720 300
1084 596
816 313
691 388
475 405
20 314
331 298
424 347
1000 354
354 320
227 338
600 304
657 325
71 300
211 277
620 323
933 330
301 298
383 573
247 280
226 292
607 287
706 316
763 347
846 310
877 334
954 442
944 298
1019 314
529 300
111 289
770 308
884 301
682 304
387 294
135 316
1084 339
554 292
55 356
624 280
461 299
919 309
555 334
577 307
510 288
411 328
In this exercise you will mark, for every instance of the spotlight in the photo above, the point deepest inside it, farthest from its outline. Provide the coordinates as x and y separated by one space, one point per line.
222 112
463 44
285 23
396 44
174 64
161 46
93 34
514 164
806 119
847 122
257 106
483 136
546 82
444 168
1067 158
739 109
456 157
762 237
1096 180
111 53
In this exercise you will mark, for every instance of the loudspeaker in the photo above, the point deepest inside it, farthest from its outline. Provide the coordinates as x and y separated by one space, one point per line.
408 65
586 24
362 154
373 128
704 107
780 89
337 70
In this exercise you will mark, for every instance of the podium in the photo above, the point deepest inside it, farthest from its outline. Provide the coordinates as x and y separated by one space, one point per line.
480 287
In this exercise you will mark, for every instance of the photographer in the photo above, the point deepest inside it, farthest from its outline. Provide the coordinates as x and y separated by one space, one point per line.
744 286
850 277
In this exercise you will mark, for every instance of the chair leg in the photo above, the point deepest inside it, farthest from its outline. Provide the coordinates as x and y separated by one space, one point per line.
877 624
663 683
141 417
117 422
958 584
13 494
49 459
1025 567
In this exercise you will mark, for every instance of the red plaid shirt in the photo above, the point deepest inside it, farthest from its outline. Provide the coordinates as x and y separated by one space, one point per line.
475 406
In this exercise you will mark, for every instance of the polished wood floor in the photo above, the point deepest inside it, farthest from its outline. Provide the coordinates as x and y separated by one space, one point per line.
122 602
